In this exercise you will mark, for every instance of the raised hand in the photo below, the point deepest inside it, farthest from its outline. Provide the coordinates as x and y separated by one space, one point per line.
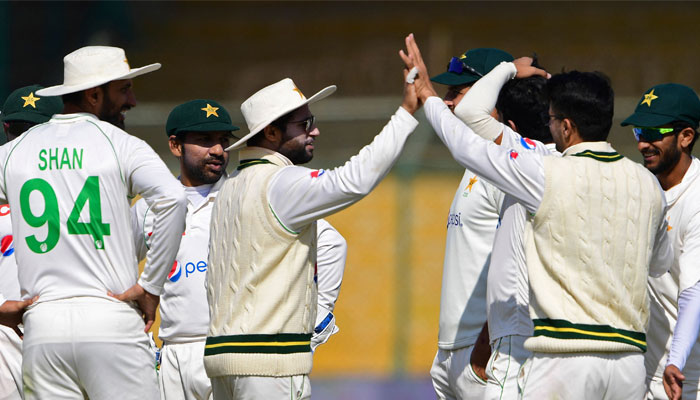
412 58
148 303
525 68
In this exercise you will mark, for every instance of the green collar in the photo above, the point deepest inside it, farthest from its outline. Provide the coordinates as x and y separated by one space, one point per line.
600 155
249 163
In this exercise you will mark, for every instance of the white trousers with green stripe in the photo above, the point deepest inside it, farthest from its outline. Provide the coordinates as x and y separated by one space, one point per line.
296 387
507 355
583 376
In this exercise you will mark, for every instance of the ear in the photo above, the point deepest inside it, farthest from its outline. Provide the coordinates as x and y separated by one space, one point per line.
175 146
685 137
512 125
93 96
272 134
568 129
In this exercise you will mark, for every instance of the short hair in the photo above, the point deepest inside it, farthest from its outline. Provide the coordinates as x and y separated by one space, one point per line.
585 98
523 101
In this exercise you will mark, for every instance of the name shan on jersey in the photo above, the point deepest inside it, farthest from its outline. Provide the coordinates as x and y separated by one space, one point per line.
57 158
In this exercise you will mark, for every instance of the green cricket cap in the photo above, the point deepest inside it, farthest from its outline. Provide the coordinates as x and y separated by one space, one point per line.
666 103
482 60
199 115
24 105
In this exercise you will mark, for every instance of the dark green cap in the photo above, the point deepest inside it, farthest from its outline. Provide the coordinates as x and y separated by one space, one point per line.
483 60
666 103
199 116
24 105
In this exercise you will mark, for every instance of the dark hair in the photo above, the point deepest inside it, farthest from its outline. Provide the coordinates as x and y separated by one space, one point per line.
585 98
523 101
680 125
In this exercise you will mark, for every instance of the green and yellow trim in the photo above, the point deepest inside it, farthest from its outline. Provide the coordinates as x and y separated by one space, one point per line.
249 163
562 329
280 343
600 155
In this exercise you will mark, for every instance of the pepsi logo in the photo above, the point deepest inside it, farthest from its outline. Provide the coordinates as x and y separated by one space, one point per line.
7 246
317 173
4 210
513 154
175 272
528 143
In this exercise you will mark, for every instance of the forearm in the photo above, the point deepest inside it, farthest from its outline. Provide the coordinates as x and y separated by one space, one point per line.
331 255
520 174
476 106
323 193
685 333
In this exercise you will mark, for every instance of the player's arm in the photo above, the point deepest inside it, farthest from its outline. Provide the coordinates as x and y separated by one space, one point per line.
321 193
332 251
11 312
662 252
685 334
139 212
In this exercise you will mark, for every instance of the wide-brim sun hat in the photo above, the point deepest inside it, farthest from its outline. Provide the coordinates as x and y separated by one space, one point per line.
92 66
272 102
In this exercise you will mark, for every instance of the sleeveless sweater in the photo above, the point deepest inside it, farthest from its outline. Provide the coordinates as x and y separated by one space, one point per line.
260 279
588 252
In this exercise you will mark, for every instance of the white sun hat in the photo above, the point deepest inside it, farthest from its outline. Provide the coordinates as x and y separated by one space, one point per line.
272 102
92 66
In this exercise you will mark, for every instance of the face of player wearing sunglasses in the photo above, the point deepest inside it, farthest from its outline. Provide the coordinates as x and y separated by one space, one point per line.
660 148
299 135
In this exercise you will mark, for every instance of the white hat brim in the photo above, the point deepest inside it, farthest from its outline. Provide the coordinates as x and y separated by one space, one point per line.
322 94
59 90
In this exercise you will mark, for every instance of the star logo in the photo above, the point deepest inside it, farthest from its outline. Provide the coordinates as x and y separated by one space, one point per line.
463 56
30 100
126 61
649 97
210 110
296 89
472 181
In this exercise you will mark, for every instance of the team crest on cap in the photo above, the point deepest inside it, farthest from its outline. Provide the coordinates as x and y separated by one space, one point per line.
649 97
30 100
528 143
296 89
210 110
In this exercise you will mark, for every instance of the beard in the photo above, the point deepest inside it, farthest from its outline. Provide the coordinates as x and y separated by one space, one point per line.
200 173
110 113
295 151
667 159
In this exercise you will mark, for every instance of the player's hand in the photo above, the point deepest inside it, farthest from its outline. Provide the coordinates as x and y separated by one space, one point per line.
673 382
410 98
481 353
147 303
11 313
525 69
412 58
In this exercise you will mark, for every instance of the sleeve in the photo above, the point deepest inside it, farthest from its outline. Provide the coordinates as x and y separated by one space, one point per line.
662 253
685 334
147 175
138 228
330 262
518 172
4 152
319 193
475 108
689 259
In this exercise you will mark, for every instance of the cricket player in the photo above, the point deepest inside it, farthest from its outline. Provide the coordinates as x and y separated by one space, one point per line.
68 182
263 245
522 108
198 132
588 250
21 110
665 124
458 370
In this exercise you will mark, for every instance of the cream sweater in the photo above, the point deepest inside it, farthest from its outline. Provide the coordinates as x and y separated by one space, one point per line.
261 290
588 252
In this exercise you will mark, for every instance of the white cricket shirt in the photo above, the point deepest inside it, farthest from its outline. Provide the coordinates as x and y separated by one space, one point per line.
471 225
69 182
684 233
9 284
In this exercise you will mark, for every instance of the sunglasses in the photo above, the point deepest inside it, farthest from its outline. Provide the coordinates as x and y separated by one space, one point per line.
651 134
458 66
308 123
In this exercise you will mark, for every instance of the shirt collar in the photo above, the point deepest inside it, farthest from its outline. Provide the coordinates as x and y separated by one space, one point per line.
600 147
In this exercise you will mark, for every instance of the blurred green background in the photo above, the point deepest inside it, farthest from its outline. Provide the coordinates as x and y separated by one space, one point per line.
388 306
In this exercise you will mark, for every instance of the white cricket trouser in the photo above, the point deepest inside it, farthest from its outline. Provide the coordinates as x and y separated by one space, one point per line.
182 375
453 376
296 387
584 376
507 355
10 364
655 389
87 347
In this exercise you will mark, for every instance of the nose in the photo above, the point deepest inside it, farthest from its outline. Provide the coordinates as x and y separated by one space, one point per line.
131 99
642 145
314 132
217 149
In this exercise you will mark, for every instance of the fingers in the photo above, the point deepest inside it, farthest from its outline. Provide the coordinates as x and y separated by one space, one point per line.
406 59
149 324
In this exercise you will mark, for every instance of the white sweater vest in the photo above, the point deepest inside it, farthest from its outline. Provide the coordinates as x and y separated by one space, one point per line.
261 290
588 252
